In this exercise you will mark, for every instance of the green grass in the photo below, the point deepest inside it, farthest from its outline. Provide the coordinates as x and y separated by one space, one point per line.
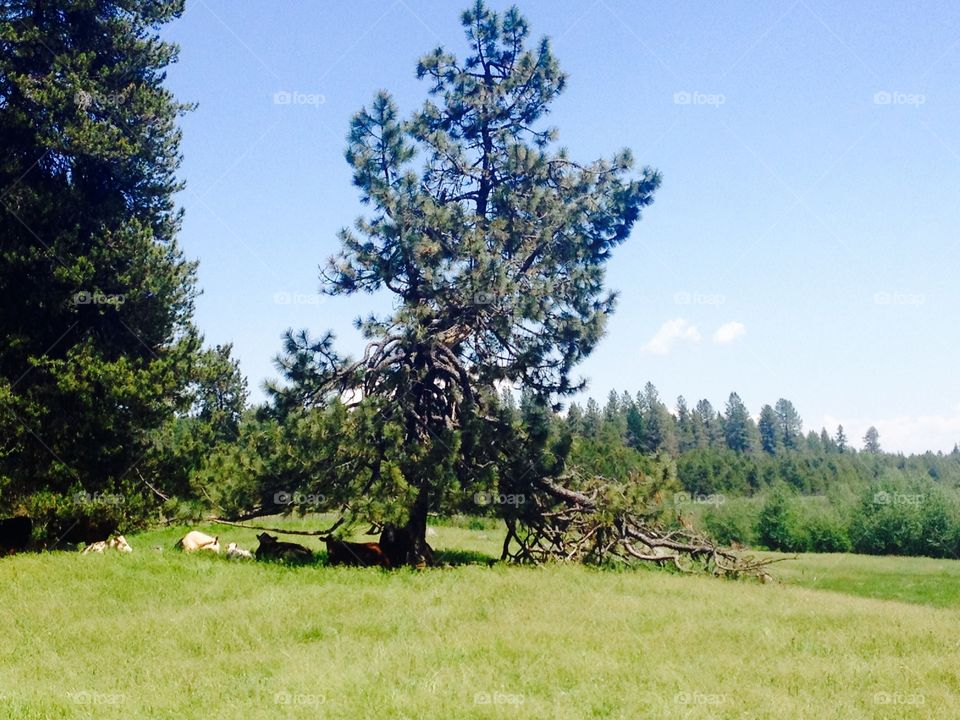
913 580
160 634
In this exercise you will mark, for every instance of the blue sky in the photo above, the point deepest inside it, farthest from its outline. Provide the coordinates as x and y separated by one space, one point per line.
805 242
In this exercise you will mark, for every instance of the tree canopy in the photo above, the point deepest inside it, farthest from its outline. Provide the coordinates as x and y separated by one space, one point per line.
96 298
492 240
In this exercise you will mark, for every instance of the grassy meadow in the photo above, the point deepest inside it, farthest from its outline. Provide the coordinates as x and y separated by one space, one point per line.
160 634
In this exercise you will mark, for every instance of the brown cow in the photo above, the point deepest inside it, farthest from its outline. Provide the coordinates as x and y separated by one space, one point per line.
340 552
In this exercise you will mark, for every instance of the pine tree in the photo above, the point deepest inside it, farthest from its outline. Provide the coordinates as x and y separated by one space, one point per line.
493 243
789 422
826 441
96 299
841 439
769 428
871 441
736 424
685 434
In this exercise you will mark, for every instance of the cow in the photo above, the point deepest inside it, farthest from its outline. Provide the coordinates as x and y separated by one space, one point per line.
235 552
118 543
340 552
15 534
196 540
397 544
272 549
86 530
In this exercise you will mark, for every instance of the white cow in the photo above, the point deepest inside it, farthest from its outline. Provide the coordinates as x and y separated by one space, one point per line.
196 540
118 543
235 552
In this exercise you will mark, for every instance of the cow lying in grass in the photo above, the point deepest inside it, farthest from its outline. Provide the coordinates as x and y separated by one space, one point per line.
272 549
15 534
118 543
235 552
357 554
196 540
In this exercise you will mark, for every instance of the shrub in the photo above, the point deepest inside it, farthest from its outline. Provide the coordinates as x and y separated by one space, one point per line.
733 521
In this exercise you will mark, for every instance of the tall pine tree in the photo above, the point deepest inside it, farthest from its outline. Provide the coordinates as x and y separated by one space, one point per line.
96 298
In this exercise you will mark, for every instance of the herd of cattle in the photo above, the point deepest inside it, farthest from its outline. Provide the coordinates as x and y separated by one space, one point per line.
393 549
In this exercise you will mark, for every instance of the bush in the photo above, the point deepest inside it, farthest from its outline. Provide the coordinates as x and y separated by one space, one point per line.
734 521
898 518
81 517
780 525
826 530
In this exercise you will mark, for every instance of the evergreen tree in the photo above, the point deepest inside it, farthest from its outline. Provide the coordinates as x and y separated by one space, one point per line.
220 392
493 243
658 425
592 419
708 430
840 439
615 417
96 299
769 428
635 427
736 424
871 441
789 422
575 419
685 435
826 442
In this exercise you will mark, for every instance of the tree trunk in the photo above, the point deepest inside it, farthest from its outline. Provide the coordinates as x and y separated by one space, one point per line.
419 553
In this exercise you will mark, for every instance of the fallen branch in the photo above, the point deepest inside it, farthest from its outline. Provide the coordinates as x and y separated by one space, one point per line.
281 531
604 521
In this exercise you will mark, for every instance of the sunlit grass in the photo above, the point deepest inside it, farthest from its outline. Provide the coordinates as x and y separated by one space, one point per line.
160 634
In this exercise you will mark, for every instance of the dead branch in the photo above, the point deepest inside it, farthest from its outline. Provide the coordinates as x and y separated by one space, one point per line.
600 523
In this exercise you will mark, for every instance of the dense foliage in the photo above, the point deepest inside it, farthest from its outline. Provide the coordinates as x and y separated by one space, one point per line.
99 353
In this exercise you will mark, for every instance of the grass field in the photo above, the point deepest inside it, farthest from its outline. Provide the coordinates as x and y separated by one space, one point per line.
159 634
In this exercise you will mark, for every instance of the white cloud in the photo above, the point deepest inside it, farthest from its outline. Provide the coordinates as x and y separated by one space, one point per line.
905 433
729 332
671 333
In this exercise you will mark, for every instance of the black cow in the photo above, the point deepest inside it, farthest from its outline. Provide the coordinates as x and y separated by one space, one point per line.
272 549
87 530
15 534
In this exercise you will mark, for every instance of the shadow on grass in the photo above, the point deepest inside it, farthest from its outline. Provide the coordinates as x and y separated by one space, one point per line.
463 557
